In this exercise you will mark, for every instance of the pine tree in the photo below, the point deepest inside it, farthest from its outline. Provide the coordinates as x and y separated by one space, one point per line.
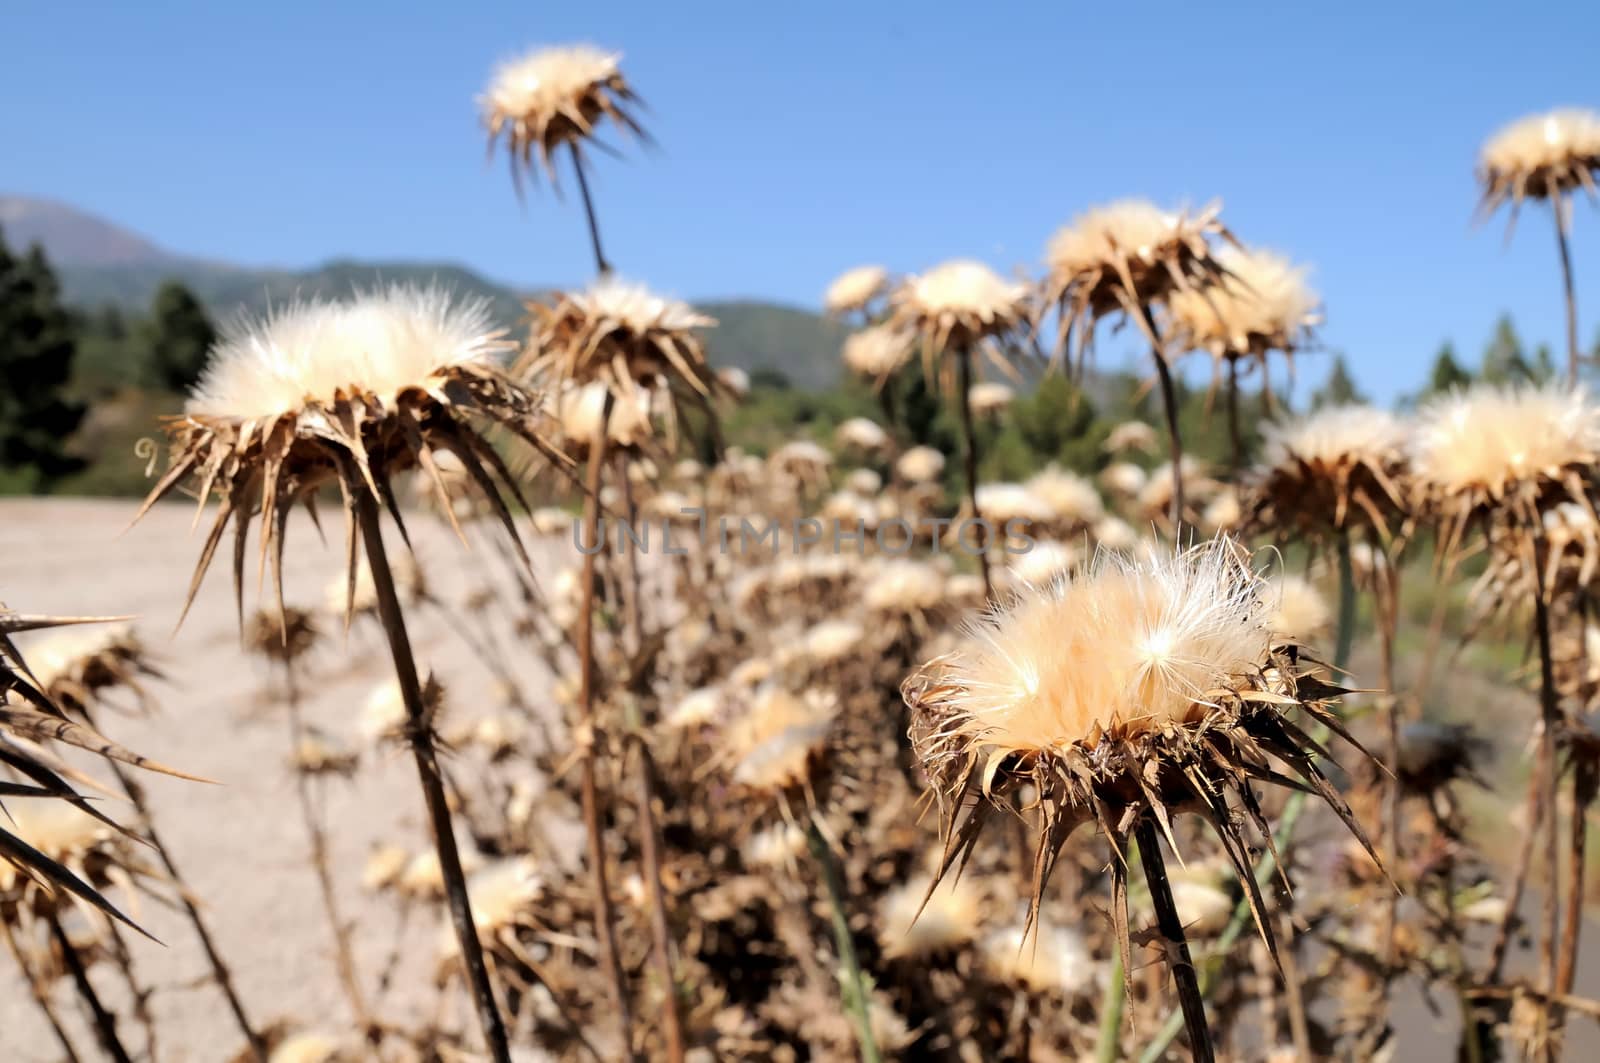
36 352
1503 360
1446 374
1339 389
178 335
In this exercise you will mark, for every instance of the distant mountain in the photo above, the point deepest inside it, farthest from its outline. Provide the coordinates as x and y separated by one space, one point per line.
72 237
101 264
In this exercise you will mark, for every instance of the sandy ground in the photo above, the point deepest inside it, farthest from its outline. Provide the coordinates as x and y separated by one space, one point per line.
241 844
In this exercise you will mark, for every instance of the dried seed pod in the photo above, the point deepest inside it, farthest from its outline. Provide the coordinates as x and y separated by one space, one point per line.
1338 470
554 97
1120 259
961 306
1134 692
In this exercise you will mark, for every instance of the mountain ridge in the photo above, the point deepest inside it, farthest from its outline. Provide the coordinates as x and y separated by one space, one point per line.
101 264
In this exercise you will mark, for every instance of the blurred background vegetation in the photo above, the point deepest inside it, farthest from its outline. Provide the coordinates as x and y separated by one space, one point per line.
94 353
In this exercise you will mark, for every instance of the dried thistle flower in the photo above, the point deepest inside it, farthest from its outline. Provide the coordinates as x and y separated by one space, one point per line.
72 665
554 97
858 433
344 392
1541 156
1498 458
923 918
1130 435
1058 960
991 397
1259 304
855 290
291 634
1299 612
961 306
1123 696
776 745
1337 470
876 352
1124 478
1122 258
920 465
1072 500
621 334
1046 562
578 410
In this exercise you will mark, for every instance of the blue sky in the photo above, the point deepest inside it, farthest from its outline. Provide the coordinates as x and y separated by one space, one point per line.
796 140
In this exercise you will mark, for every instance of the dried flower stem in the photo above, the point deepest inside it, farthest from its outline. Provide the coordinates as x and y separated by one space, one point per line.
600 263
1558 207
138 993
1344 639
41 995
1169 400
219 970
105 1024
1386 594
1235 440
1585 779
419 731
1177 946
1549 773
661 949
855 987
604 912
1112 1004
344 957
1519 876
969 457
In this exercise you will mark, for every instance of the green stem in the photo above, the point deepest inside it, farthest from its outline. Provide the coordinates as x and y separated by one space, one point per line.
1111 1005
856 1001
1292 808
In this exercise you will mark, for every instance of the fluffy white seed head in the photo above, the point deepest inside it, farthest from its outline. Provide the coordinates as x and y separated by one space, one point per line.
855 288
1124 478
1045 563
920 465
1489 438
950 919
1003 502
1133 229
965 288
538 87
1071 498
903 586
1263 301
380 342
876 351
990 397
1125 643
1549 141
861 434
1131 435
633 306
1299 612
1334 436
1049 959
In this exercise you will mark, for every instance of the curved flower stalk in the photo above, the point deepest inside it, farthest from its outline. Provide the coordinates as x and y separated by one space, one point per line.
1260 305
955 312
1493 464
553 98
1545 156
1125 258
353 393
